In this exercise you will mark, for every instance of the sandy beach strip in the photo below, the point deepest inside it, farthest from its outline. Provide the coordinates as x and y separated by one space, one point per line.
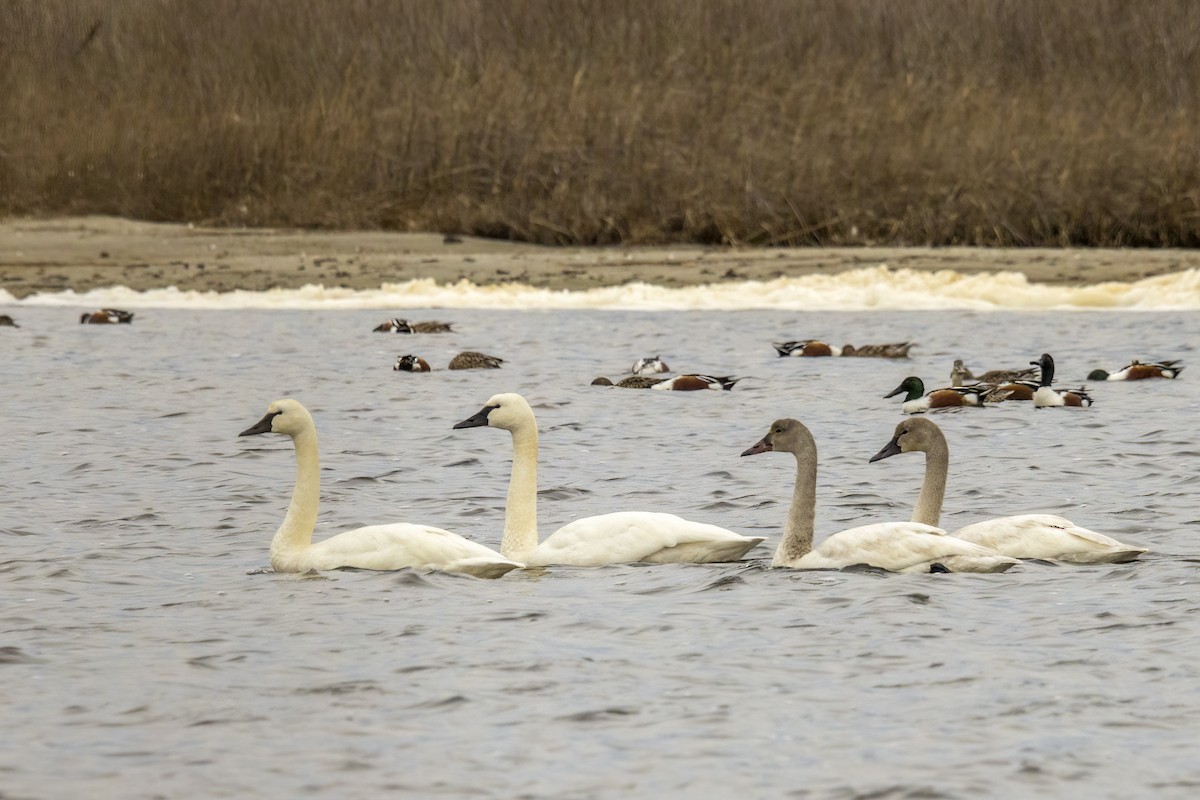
83 253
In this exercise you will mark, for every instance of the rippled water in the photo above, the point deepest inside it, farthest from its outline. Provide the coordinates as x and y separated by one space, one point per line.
141 658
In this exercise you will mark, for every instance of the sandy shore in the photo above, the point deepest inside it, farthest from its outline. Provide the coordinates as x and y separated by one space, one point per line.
83 253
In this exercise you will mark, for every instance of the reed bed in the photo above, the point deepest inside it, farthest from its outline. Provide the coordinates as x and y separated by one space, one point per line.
1009 122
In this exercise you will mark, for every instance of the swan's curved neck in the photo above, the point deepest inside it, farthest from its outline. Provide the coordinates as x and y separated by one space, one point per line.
933 489
297 528
520 511
797 538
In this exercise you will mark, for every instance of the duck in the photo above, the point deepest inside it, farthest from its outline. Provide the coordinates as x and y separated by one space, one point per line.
469 359
376 547
1047 396
632 382
994 393
620 538
691 383
808 348
1040 536
995 376
7 322
917 402
1139 371
411 363
106 316
894 350
649 366
892 546
396 325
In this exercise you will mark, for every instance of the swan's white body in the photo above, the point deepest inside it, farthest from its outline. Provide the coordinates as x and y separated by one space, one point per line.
1042 536
379 547
894 546
619 538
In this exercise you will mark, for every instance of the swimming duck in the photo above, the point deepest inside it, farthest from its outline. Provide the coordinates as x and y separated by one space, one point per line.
404 326
632 382
994 393
894 350
808 348
894 546
379 547
470 359
649 366
619 538
1139 371
1047 396
691 383
105 316
411 363
7 322
1042 536
996 376
917 402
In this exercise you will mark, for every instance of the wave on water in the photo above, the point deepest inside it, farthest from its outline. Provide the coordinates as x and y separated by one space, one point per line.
853 290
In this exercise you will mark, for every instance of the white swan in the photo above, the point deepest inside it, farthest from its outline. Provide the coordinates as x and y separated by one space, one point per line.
394 546
894 546
620 538
1043 536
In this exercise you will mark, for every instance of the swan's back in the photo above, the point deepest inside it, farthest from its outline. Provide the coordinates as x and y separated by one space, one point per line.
1047 536
628 537
396 546
902 547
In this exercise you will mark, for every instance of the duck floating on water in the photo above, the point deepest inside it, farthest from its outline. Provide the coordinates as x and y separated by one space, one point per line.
471 359
995 392
813 348
691 383
916 401
1048 397
1139 371
411 363
7 322
106 316
632 382
995 376
396 325
649 366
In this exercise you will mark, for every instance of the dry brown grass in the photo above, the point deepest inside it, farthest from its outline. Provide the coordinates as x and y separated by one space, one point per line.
1009 122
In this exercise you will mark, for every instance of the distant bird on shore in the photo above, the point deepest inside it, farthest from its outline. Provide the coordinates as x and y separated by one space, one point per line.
470 359
649 366
1139 371
106 316
411 363
1048 397
7 322
404 326
812 348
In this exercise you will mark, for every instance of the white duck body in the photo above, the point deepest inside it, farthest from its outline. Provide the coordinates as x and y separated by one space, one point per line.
618 538
893 546
1042 536
377 547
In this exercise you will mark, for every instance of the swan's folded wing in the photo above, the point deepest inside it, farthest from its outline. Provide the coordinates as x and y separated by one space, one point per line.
624 538
894 546
1045 536
396 546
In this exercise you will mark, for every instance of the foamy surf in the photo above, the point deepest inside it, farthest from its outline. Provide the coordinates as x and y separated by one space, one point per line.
853 290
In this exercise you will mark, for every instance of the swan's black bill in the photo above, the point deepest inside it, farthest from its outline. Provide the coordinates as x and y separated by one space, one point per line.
763 446
262 426
892 448
478 421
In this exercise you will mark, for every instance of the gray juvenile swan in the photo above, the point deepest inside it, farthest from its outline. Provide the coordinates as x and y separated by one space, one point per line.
620 538
1042 536
382 547
894 546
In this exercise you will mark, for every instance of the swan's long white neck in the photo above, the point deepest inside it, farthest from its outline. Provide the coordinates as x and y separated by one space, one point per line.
297 528
798 531
933 488
520 511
